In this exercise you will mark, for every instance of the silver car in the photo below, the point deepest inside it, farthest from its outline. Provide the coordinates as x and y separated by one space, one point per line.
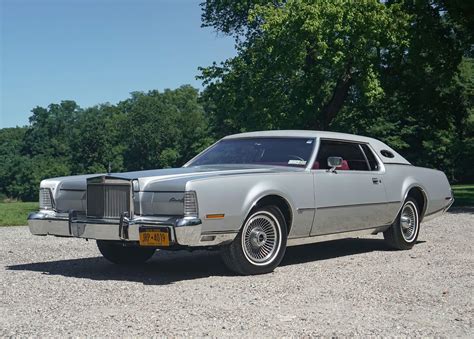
251 195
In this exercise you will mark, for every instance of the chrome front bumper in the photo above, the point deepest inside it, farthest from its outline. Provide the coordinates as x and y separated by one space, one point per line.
184 231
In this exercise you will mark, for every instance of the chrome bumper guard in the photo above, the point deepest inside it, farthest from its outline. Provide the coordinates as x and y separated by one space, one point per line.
184 231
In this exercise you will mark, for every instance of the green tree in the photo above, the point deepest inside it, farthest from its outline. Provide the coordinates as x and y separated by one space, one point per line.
303 63
232 17
97 140
11 143
391 70
49 130
162 129
149 130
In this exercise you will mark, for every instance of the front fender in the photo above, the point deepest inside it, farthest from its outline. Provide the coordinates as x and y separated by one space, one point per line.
260 191
235 196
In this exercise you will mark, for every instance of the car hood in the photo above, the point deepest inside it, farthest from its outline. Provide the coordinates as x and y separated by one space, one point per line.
169 179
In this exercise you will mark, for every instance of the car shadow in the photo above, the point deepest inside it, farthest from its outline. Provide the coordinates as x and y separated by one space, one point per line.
164 268
332 249
167 267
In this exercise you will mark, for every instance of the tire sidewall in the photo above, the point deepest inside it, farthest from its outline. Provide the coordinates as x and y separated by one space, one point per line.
399 230
239 261
278 230
123 255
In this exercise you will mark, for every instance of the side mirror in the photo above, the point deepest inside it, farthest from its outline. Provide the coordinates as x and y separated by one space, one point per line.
334 162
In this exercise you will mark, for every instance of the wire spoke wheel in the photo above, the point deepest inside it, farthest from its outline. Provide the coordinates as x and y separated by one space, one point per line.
260 244
409 222
261 238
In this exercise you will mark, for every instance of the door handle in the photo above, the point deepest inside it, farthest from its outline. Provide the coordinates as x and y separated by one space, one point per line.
376 181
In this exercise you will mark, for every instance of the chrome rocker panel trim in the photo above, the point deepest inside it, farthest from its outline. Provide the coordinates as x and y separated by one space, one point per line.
335 236
185 231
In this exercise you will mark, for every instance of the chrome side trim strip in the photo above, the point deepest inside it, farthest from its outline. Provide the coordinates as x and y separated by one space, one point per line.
357 205
335 236
213 239
302 209
435 212
219 232
438 212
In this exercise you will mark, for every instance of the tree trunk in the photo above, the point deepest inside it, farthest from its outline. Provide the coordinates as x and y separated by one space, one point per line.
339 95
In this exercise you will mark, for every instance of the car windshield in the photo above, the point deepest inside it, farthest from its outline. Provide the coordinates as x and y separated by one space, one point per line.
259 151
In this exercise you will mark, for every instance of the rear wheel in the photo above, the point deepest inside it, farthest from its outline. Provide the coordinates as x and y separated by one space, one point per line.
119 254
260 245
402 235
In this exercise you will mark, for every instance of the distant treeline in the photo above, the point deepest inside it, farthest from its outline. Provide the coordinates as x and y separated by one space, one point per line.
149 130
400 71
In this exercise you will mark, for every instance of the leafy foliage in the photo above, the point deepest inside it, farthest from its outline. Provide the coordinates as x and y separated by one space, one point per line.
149 130
308 58
396 70
163 129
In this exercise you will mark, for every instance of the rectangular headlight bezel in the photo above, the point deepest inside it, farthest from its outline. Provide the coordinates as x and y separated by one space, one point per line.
46 200
191 208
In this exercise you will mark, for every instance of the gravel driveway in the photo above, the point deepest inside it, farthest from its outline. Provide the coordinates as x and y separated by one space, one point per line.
58 287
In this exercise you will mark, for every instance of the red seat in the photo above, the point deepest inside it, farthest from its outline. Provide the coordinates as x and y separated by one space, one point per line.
344 166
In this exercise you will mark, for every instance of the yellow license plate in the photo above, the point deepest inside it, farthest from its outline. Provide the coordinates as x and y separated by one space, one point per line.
154 238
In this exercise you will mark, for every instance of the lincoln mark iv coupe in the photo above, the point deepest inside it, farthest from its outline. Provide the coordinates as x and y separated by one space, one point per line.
251 195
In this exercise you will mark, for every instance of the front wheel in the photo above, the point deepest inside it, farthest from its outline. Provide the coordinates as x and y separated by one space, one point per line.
260 245
119 254
402 235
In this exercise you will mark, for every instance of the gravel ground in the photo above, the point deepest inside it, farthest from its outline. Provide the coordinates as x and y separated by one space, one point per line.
62 287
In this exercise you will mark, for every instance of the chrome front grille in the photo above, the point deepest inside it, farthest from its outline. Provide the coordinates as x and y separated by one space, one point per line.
108 200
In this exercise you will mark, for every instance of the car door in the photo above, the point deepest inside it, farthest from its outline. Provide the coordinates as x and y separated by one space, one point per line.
352 197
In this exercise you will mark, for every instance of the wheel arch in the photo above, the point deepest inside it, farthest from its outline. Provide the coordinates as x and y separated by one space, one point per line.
418 193
278 201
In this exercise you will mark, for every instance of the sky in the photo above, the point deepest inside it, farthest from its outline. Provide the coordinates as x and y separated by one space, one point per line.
97 51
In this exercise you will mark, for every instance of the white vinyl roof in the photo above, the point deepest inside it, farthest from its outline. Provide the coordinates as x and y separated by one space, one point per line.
377 145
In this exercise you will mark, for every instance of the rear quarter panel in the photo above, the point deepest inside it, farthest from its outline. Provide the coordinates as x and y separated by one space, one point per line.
399 179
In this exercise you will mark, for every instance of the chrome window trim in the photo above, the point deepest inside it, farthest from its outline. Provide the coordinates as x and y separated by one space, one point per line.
379 161
381 165
313 156
252 137
365 157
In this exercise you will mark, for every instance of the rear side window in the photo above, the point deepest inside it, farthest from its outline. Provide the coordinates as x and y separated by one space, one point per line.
374 164
352 157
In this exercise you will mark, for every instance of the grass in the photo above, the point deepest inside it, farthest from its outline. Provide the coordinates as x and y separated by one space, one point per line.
463 195
15 213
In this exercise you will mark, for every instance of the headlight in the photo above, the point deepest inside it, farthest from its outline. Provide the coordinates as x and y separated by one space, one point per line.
46 201
190 204
136 185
